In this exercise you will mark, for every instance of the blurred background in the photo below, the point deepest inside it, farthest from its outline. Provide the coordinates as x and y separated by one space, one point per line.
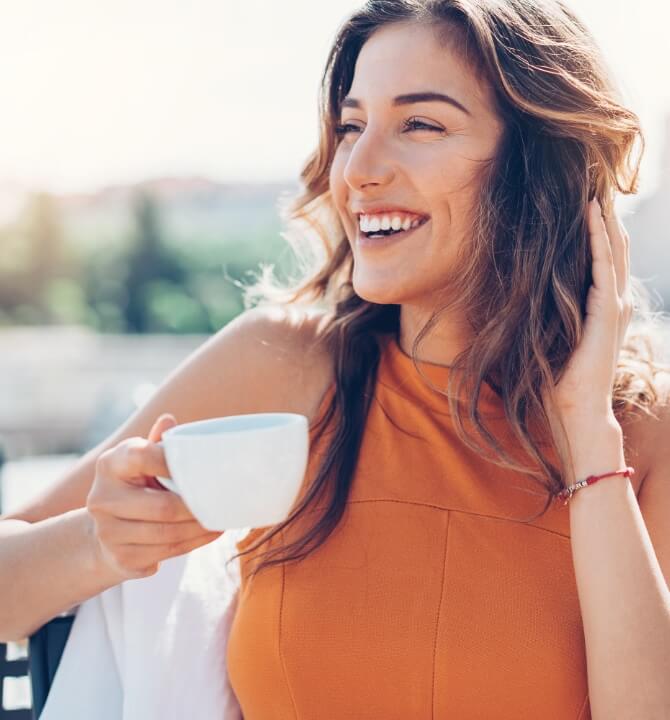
144 146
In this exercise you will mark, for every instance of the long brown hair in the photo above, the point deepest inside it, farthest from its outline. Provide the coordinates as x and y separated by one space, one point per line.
522 282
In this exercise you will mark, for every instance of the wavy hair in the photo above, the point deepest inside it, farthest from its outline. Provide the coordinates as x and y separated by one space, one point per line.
522 281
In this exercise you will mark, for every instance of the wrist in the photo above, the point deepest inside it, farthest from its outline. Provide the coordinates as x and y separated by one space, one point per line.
599 463
601 491
596 446
94 560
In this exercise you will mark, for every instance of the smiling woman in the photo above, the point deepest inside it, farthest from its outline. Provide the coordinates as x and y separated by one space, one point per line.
426 148
461 144
462 348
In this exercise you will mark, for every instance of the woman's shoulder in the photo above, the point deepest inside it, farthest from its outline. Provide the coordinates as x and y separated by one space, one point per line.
648 450
646 433
280 356
265 360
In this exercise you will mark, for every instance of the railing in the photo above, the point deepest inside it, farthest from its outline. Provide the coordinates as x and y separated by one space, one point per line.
27 669
15 685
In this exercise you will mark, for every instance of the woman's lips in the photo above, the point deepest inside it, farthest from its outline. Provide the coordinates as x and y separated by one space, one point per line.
363 241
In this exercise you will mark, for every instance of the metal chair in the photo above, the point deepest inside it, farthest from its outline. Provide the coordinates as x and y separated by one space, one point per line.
38 667
45 648
11 670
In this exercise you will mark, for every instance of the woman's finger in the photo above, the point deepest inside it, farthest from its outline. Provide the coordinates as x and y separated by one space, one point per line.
143 555
173 550
131 502
626 238
150 533
619 252
135 557
603 272
163 423
133 459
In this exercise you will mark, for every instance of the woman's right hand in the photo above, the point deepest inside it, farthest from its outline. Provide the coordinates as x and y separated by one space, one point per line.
135 522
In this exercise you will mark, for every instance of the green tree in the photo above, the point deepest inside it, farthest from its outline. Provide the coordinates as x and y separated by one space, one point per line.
150 266
37 278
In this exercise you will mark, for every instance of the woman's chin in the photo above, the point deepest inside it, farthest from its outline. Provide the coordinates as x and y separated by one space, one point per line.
382 292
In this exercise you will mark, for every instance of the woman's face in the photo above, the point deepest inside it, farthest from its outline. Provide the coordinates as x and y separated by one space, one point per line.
418 155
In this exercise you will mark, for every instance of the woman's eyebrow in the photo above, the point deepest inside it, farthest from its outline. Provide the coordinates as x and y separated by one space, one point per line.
411 98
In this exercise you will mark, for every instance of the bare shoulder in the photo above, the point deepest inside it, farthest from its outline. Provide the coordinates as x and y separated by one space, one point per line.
274 359
647 436
651 437
270 359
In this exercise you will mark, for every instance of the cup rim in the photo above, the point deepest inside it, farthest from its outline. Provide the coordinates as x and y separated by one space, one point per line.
179 430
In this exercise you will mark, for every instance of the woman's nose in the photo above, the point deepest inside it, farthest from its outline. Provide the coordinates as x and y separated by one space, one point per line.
368 162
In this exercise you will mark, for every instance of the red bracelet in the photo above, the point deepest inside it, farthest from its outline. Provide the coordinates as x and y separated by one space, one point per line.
568 492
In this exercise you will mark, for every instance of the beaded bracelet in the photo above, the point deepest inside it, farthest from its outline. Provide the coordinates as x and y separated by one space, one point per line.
568 492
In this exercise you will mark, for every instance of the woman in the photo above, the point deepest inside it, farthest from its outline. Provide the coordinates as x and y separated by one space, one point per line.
463 193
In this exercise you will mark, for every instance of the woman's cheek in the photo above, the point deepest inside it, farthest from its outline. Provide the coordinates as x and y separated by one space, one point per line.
338 189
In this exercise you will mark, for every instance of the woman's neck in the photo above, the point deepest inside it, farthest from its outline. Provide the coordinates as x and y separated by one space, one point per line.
444 341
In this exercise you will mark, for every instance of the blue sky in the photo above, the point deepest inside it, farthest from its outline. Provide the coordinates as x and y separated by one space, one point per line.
120 90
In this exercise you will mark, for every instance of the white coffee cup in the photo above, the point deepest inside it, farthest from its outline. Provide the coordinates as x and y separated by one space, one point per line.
238 471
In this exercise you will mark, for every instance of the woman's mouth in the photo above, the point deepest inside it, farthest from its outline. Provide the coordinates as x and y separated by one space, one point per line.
384 238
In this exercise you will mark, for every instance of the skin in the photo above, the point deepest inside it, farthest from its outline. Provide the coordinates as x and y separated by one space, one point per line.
620 543
98 526
434 172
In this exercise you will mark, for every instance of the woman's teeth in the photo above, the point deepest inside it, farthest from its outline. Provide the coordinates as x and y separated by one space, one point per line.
379 226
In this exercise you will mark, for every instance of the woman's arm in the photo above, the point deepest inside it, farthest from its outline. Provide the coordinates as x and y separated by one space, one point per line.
46 568
620 554
620 563
264 360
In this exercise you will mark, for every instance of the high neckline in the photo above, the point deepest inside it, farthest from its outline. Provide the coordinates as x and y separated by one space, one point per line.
398 372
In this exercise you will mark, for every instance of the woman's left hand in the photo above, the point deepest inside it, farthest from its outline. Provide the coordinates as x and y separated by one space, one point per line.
583 396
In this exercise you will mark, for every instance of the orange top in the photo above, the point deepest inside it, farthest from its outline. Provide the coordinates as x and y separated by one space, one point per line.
429 600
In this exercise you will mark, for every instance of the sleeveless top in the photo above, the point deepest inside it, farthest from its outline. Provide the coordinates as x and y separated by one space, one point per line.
431 598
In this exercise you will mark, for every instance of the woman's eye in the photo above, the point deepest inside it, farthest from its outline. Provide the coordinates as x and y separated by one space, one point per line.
344 129
414 124
411 124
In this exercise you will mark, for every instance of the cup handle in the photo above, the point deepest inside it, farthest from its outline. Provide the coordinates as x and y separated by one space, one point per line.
167 483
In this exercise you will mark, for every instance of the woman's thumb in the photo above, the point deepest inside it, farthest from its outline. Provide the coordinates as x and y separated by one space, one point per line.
163 423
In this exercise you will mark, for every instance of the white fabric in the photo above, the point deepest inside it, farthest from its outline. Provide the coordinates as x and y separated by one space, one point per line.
154 647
